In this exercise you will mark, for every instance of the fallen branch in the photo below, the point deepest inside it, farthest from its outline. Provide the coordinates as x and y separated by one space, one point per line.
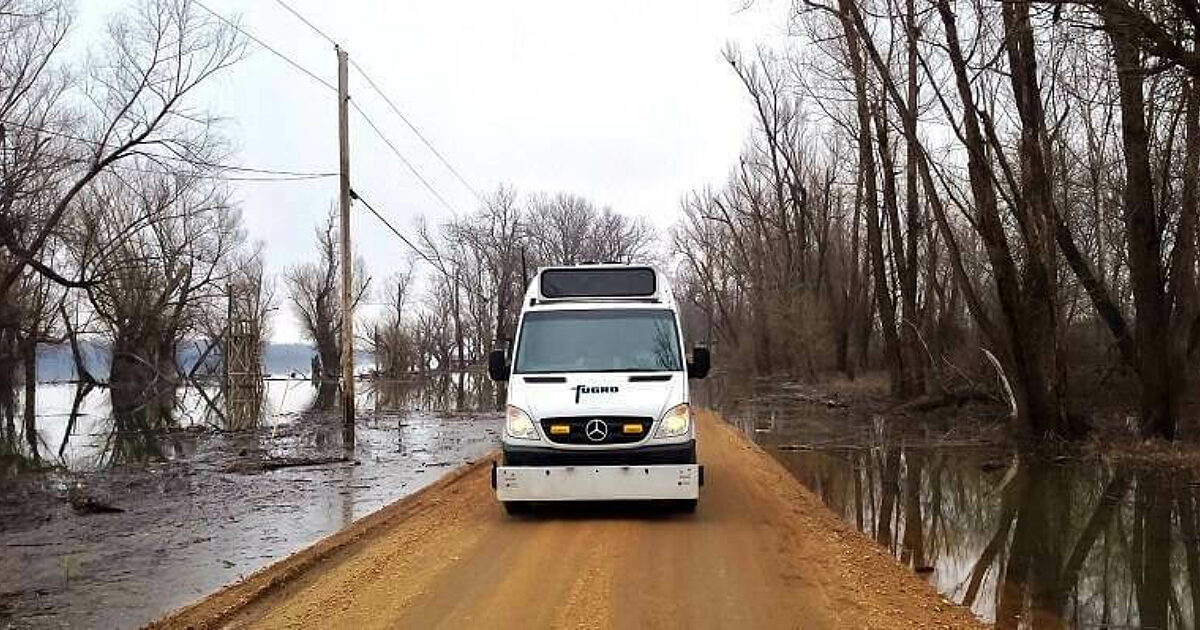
957 399
91 505
278 463
1012 400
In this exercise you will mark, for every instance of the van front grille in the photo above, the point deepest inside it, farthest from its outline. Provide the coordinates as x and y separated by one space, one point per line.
614 429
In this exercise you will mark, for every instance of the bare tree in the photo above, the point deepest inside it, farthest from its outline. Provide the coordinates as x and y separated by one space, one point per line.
1064 141
480 263
137 89
62 125
313 289
391 335
567 229
169 243
493 238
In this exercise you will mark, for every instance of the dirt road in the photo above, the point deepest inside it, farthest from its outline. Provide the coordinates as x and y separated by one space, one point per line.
761 552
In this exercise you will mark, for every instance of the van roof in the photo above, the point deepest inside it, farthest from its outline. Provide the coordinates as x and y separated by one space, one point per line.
611 285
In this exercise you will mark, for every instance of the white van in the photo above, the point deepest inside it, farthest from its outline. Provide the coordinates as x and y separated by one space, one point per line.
598 405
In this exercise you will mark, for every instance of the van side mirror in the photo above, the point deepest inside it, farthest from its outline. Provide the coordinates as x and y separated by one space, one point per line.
498 365
700 364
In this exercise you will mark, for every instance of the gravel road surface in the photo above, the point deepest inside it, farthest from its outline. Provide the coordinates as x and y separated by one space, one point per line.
760 552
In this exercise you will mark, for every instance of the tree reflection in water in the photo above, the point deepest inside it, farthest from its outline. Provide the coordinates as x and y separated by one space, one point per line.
458 392
1029 543
326 398
244 404
159 421
1023 541
142 422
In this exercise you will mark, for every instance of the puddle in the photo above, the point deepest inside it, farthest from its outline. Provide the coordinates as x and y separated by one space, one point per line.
136 522
1024 543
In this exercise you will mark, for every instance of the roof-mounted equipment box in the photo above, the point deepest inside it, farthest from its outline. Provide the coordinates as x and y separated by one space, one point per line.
598 282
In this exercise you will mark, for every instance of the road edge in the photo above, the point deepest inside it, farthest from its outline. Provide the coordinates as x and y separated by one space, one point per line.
872 573
231 599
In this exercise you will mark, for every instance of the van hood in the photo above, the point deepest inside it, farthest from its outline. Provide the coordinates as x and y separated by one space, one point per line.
597 394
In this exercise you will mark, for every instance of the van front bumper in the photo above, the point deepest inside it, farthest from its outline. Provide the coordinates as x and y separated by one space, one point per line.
650 455
597 483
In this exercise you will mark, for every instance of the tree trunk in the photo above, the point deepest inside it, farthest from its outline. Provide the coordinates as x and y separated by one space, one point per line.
914 540
855 300
841 343
914 357
142 380
1043 383
1028 338
329 349
458 329
762 335
1185 321
893 346
888 492
1144 243
9 325
29 372
1152 555
866 166
81 369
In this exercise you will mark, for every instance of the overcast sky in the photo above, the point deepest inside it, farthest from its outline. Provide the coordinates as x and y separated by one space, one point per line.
627 102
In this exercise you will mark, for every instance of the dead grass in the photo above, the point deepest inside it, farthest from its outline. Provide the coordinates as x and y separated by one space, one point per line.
1130 451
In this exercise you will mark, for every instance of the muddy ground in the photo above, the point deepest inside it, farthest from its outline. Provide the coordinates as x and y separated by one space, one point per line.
761 552
119 544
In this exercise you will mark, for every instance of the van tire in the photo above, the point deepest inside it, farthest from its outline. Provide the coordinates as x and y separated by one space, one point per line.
517 508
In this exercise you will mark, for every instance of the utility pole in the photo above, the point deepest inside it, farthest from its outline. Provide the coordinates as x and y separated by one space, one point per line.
344 200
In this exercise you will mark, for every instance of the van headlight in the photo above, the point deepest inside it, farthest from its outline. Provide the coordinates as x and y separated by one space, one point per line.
675 422
518 424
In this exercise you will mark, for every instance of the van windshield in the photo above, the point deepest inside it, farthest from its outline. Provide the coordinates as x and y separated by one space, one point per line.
598 341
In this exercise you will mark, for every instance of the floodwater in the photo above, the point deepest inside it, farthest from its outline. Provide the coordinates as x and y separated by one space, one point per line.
1024 542
209 499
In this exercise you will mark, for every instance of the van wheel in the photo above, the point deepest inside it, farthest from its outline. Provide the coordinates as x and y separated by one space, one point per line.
516 508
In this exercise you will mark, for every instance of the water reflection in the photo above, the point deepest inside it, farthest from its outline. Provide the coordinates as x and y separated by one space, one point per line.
244 403
198 503
326 398
1024 542
457 392
81 427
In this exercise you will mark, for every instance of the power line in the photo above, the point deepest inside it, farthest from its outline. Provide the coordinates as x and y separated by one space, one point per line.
315 77
384 96
260 42
227 178
236 178
306 22
193 161
414 129
129 168
357 197
403 159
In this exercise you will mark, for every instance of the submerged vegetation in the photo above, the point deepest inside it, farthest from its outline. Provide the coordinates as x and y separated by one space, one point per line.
113 217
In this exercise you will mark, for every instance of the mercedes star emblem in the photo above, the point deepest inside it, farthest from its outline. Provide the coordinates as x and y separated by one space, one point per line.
596 430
